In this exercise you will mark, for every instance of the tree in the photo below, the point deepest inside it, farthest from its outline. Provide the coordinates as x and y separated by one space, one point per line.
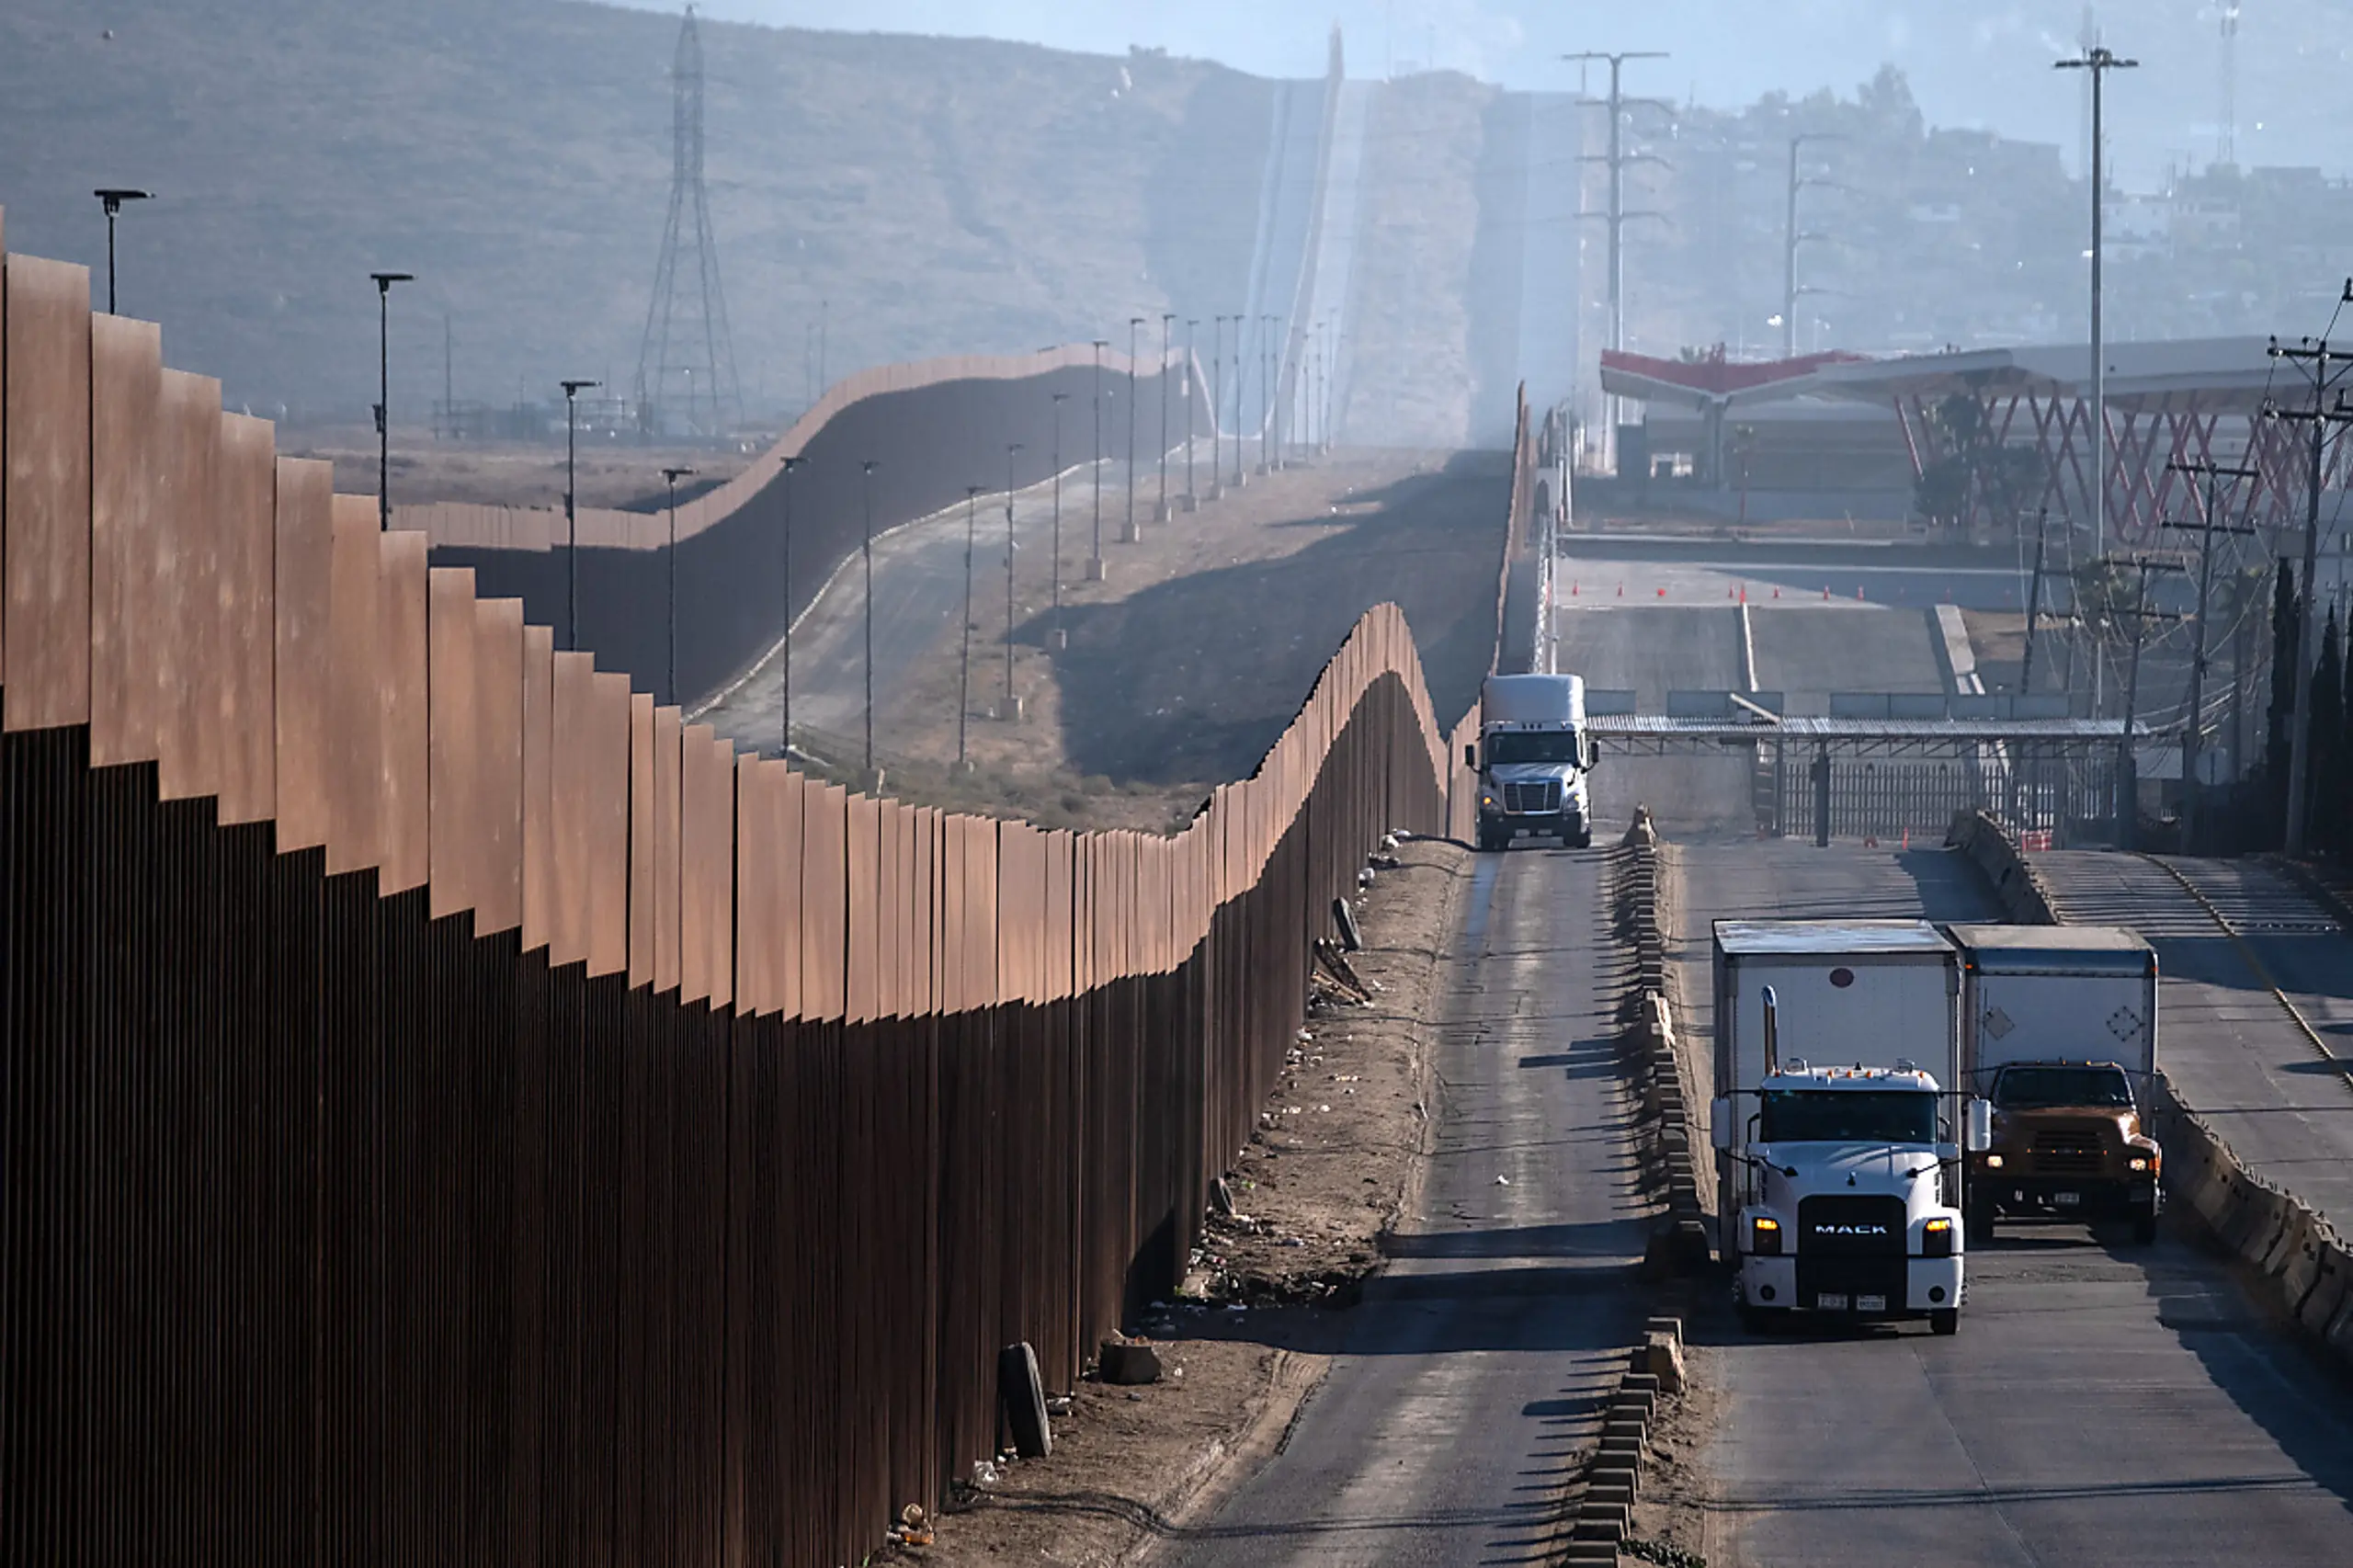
2325 776
1978 475
2278 745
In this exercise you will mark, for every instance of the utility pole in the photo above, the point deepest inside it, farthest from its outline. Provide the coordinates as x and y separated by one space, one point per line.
2128 806
1012 450
1617 158
784 728
1792 238
2100 62
2321 357
1061 639
2193 736
670 477
2034 601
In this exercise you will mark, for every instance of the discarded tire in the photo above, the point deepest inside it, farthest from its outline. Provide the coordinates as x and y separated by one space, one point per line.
1022 1394
1346 918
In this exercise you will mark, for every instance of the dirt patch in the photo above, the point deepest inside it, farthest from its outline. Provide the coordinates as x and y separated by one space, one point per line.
1321 1187
1675 1521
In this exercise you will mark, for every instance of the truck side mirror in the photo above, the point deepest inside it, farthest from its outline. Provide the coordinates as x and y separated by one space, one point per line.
1981 1125
1720 1124
1471 758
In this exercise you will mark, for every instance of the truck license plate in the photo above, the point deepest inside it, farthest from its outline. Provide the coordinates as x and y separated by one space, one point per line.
2066 1200
1870 1303
1831 1301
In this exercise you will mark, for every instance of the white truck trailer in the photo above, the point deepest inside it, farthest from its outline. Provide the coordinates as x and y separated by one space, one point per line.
1532 759
1839 1124
2059 1032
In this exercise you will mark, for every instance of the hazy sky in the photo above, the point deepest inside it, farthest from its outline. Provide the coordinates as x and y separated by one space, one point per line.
1986 64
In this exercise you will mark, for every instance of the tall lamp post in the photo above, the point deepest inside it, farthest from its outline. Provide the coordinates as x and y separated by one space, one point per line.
1060 641
1792 238
2100 62
1012 450
1241 380
384 281
1266 391
784 727
112 198
1128 534
964 634
1167 321
1192 366
1095 561
572 390
1217 407
670 477
865 482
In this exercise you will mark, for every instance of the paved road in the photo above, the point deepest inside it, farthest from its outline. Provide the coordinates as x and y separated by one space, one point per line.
1596 571
2230 1049
2102 1403
1652 652
1805 654
1475 1365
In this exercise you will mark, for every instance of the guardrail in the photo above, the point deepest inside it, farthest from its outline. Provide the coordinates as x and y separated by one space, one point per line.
456 1110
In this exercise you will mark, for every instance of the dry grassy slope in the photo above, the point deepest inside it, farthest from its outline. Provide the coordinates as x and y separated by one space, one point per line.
946 196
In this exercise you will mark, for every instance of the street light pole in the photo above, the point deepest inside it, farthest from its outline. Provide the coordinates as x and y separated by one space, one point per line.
1616 158
1012 450
1167 320
785 724
1217 408
866 470
964 648
1128 534
1095 561
112 198
1060 641
1266 391
1192 367
2100 62
384 281
670 476
572 390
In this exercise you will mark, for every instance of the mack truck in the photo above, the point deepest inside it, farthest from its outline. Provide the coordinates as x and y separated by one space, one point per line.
1840 1127
1532 757
2059 1032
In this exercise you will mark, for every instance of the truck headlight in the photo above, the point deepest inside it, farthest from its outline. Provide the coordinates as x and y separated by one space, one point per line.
1765 1236
1936 1239
1486 800
2137 1162
1993 1161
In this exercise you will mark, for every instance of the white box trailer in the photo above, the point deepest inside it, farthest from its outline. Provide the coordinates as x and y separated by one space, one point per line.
2056 994
2059 1030
1852 993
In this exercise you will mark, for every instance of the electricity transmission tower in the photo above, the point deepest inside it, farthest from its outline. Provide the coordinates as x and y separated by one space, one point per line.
688 362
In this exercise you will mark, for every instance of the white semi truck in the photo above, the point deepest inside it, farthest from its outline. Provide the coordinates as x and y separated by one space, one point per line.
2059 1032
1532 759
1839 1124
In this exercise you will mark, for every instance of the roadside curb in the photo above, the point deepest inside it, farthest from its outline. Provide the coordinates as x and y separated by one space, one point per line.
1604 1515
1678 1244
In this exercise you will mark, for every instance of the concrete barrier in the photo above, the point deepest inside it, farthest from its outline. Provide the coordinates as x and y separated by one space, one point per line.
2026 898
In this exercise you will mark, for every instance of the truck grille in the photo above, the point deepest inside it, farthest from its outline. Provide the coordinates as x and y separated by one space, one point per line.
1848 1281
1838 1226
1542 796
2067 1154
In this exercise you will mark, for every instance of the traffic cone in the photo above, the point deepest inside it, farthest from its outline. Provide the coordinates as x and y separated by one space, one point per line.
1825 593
1621 590
1776 590
1907 839
1662 593
1743 593
1859 590
1573 590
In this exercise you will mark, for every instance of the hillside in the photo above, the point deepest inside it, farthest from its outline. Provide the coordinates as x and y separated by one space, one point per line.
938 196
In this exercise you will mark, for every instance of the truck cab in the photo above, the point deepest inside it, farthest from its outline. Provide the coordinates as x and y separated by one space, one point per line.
2067 1141
1532 759
1848 1197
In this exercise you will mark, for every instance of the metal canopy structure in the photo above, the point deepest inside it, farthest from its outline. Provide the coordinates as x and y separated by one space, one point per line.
2179 402
1658 735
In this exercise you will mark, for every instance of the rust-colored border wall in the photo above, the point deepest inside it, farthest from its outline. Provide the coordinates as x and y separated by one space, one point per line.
458 1111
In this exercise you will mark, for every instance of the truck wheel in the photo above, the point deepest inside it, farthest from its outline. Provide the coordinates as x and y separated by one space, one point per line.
1756 1320
1583 840
1979 1221
1945 1320
1489 843
2144 1227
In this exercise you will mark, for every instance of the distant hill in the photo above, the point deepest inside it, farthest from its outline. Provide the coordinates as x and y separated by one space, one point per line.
940 197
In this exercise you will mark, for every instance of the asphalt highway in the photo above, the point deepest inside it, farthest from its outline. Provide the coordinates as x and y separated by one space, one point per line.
1652 652
2102 1404
1473 1368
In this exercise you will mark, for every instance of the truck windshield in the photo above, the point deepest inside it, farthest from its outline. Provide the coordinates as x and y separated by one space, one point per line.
1849 1116
2039 1089
1508 747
